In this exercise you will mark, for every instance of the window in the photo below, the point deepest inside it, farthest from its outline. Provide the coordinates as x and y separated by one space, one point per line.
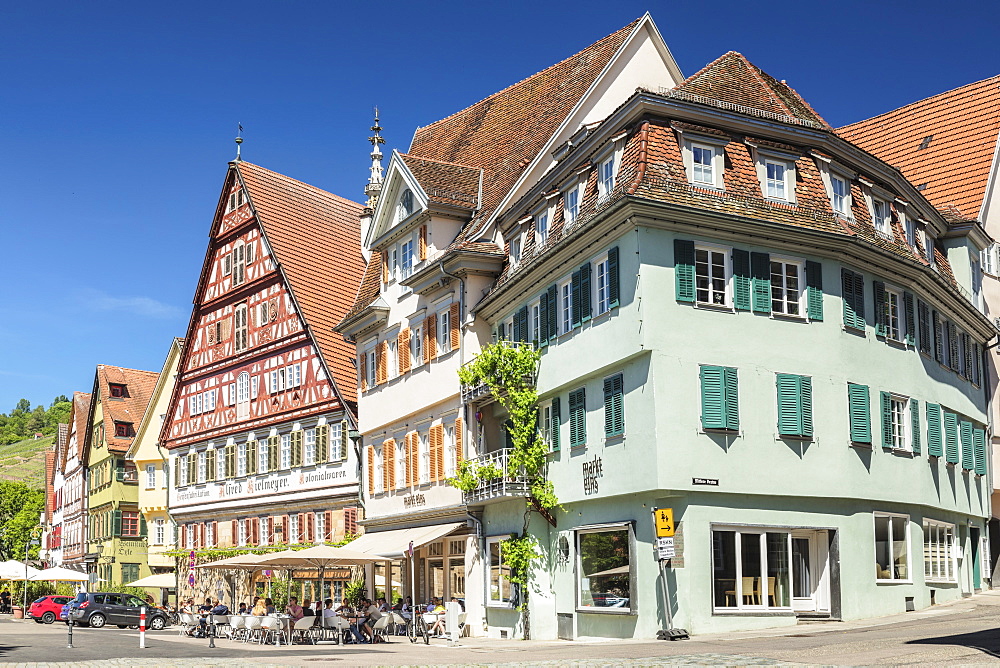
293 374
320 524
703 170
293 528
379 473
227 264
614 406
606 178
117 390
240 328
262 314
841 195
605 568
892 547
444 332
578 418
896 422
276 381
794 405
182 463
130 573
751 568
910 226
220 464
515 250
123 429
338 442
265 530
893 328
776 185
711 270
241 533
286 451
603 285
202 466
571 204
400 462
236 200
939 552
263 454
988 260
371 366
189 536
159 531
239 264
548 424
541 227
566 312
406 252
882 215
241 460
130 523
786 287
425 459
310 447
451 454
500 586
405 205
719 398
534 315
416 348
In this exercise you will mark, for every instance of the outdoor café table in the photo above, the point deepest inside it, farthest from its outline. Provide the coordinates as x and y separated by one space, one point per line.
286 628
353 621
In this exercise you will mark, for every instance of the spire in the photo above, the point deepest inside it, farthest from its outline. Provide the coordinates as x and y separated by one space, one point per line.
374 186
239 140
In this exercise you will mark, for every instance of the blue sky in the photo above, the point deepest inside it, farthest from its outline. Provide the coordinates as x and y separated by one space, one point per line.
117 121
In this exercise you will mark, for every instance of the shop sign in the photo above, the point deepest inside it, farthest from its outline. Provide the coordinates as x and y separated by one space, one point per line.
414 500
665 548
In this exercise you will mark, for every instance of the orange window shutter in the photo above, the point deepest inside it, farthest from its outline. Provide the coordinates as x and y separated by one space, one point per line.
389 459
328 526
385 266
432 475
403 350
371 471
456 329
382 361
234 536
459 454
413 456
363 366
422 243
437 452
431 348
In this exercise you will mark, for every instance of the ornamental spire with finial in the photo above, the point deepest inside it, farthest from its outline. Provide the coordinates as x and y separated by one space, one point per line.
374 187
239 140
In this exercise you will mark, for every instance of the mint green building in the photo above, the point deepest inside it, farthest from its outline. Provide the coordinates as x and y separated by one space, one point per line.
749 321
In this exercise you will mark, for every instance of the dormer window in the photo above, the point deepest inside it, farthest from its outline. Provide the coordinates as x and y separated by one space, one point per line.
701 160
841 195
405 205
117 390
236 200
776 181
571 204
123 429
882 216
541 227
515 250
704 162
406 257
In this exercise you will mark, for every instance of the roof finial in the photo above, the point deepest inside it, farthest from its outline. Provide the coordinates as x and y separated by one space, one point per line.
374 186
239 139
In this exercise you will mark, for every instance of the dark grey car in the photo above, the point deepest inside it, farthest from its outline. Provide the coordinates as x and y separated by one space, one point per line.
96 609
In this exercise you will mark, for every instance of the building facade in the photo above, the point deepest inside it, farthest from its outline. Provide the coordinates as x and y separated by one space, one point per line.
74 486
257 425
116 531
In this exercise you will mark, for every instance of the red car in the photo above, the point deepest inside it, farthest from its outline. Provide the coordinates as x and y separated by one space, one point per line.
46 609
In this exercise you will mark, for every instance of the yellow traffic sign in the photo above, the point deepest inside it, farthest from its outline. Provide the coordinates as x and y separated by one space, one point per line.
664 518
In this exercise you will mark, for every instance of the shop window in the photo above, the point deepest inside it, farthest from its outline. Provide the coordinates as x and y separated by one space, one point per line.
500 587
750 569
892 549
604 569
939 558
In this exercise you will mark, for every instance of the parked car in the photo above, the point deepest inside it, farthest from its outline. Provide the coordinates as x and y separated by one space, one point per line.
64 613
47 609
95 609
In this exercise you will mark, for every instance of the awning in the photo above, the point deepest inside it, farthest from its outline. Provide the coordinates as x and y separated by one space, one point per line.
394 543
161 580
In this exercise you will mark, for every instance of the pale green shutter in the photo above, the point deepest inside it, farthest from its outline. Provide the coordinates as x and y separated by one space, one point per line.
117 526
576 306
585 296
979 446
684 270
789 419
859 411
297 447
614 416
968 456
741 279
556 423
543 321
924 325
252 457
577 418
933 412
552 295
210 465
911 327
713 397
732 399
614 284
879 308
915 424
322 442
814 282
177 471
272 453
760 270
886 404
951 437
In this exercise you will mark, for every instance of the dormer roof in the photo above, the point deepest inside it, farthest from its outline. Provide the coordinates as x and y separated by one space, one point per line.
446 182
128 409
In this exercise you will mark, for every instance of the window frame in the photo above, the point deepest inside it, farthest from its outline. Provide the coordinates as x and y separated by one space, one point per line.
565 306
941 555
761 532
696 149
444 330
629 528
240 331
609 162
787 181
800 277
416 348
490 601
906 541
845 197
881 217
150 476
726 253
572 192
405 207
602 272
541 225
902 433
894 294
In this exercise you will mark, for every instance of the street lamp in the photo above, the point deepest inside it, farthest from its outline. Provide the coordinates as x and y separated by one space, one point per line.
36 532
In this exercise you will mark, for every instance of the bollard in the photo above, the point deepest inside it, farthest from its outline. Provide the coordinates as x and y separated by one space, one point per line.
142 627
69 634
211 631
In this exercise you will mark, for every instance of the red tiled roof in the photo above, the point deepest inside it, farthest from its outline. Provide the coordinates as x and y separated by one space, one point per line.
446 182
371 284
130 408
733 79
315 237
503 133
962 124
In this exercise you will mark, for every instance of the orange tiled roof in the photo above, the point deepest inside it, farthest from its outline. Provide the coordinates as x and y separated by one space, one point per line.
81 410
315 237
962 125
503 133
733 79
446 182
371 284
130 409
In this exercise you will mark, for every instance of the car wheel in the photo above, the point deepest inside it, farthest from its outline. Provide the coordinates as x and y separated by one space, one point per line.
122 626
157 623
97 620
49 617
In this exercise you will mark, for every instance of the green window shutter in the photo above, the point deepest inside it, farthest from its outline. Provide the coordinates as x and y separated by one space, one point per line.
879 308
142 526
924 326
978 380
760 270
576 307
120 470
732 399
938 342
543 320
553 294
556 423
518 332
933 412
251 457
684 270
297 448
969 352
322 443
859 410
614 416
951 437
952 346
577 418
210 466
886 420
117 523
859 301
614 284
968 456
713 397
741 279
806 405
522 317
847 290
585 295
979 448
272 454
342 446
911 328
915 424
177 471
789 405
192 463
814 282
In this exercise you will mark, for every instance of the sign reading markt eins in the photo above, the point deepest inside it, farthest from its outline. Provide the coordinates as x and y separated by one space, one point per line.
253 487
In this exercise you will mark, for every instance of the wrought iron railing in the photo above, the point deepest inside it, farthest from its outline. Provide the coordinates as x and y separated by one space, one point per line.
480 391
511 483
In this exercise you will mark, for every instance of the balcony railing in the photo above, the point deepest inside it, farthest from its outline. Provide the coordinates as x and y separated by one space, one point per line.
511 483
481 393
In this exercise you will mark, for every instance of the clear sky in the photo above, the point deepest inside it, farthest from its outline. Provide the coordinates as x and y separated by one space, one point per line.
117 121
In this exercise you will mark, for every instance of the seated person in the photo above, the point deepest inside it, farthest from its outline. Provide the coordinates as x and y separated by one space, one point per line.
307 610
243 608
438 615
293 609
383 606
328 610
259 609
406 609
206 606
270 606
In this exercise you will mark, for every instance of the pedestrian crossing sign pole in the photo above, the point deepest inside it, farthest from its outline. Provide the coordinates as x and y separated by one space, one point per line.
663 521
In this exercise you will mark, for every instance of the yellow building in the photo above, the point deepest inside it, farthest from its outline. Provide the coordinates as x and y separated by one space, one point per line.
151 466
116 536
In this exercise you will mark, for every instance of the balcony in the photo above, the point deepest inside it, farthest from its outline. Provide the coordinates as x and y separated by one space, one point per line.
511 484
481 393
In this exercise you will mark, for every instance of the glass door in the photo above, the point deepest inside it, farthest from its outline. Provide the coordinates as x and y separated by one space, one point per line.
802 575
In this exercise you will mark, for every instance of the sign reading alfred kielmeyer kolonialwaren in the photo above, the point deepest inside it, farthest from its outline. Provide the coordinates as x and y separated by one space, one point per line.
592 471
714 482
253 486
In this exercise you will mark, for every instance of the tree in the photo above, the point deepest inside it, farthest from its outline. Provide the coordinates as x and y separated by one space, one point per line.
23 406
20 509
61 399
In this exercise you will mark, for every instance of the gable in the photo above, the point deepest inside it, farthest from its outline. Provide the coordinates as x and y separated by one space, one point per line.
398 179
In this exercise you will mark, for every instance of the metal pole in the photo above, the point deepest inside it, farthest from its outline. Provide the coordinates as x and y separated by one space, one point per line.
211 630
668 613
69 634
24 609
142 627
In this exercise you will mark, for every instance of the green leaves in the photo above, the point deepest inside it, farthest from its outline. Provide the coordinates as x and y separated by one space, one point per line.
518 553
20 507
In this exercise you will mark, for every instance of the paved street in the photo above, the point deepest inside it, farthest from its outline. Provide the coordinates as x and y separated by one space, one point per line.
964 633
